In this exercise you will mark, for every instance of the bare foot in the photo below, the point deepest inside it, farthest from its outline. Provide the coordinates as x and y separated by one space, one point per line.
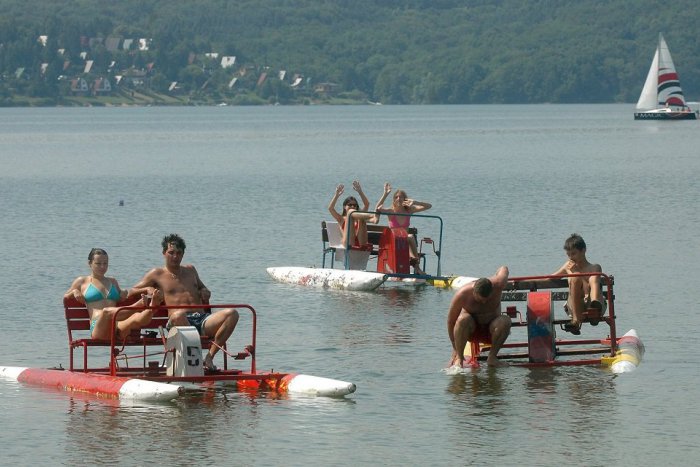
573 327
209 363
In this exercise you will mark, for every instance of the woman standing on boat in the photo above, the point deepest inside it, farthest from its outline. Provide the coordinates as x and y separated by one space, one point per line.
355 227
100 295
402 204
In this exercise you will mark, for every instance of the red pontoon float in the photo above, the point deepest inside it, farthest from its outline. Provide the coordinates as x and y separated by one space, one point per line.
152 364
542 346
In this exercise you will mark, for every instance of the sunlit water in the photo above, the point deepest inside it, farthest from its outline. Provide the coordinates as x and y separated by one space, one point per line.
247 189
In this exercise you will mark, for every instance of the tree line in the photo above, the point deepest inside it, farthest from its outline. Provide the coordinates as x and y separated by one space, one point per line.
388 51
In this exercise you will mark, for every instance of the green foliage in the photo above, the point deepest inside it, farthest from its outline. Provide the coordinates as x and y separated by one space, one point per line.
390 51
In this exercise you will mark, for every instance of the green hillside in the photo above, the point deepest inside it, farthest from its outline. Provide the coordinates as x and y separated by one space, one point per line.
97 52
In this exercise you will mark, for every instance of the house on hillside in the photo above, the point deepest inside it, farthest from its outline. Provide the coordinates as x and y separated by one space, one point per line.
94 42
101 87
297 80
79 87
326 89
144 44
135 78
112 43
227 61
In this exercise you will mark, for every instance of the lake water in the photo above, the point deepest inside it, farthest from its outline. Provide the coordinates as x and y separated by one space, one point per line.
247 189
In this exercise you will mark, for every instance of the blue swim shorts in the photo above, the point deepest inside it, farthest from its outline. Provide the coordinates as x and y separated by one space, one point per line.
195 319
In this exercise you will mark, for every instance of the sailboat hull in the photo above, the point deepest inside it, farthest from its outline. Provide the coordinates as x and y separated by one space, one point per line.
664 114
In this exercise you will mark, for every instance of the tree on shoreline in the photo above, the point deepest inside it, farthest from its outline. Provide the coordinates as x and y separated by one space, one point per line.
397 51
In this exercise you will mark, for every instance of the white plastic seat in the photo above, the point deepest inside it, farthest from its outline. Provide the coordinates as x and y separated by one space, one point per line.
357 258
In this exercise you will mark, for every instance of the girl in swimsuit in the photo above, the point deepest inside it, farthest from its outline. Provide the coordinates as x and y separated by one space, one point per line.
402 204
101 294
355 227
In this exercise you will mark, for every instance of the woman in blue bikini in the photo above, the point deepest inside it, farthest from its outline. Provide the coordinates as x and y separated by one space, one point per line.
101 294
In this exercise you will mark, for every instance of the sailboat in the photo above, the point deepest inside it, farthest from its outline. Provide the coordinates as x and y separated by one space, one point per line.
662 96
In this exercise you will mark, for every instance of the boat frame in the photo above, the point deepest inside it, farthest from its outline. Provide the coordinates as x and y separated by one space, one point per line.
375 231
148 362
564 351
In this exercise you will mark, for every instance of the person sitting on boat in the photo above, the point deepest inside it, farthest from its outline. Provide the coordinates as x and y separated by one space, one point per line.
475 313
353 228
402 204
100 294
182 286
584 292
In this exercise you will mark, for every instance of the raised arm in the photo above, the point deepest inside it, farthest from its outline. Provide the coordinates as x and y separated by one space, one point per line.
365 202
417 206
380 203
500 279
331 207
379 208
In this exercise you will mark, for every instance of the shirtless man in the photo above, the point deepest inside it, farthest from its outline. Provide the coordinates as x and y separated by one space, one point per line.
476 310
181 285
584 292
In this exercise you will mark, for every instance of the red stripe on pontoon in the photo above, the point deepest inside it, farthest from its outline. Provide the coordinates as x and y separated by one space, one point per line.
71 381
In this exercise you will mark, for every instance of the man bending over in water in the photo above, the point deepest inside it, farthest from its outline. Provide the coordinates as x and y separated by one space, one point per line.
475 311
181 285
585 291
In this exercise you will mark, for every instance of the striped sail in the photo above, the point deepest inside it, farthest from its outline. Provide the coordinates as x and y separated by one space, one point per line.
662 87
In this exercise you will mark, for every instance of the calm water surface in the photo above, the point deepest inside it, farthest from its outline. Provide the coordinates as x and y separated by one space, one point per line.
247 189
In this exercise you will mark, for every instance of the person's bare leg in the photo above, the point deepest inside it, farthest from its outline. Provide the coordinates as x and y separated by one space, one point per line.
595 289
463 331
500 330
220 325
576 300
413 251
348 233
140 318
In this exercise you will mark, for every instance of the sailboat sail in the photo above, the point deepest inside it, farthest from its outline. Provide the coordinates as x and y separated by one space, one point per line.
662 87
648 99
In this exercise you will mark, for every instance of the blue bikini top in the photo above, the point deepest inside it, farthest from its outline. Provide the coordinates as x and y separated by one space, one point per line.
93 294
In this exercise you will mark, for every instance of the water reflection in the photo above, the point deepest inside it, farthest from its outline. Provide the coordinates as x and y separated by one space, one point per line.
541 382
194 426
472 383
572 405
384 318
398 297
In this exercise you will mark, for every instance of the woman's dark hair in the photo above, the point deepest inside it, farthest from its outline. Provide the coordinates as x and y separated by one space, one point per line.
96 251
348 200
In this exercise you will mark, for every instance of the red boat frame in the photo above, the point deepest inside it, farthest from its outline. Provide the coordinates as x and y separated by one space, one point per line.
520 289
152 336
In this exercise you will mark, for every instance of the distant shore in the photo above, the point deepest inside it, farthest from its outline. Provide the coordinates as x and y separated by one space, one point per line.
140 99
